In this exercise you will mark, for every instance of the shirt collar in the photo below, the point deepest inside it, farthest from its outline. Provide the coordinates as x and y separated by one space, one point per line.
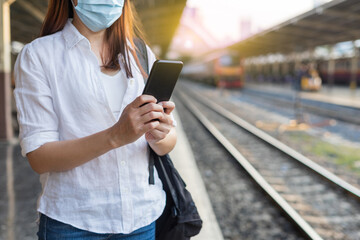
71 35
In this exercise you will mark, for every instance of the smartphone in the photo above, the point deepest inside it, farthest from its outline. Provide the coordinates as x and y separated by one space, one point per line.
162 79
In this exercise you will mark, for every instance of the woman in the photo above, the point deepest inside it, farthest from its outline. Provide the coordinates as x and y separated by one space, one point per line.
84 126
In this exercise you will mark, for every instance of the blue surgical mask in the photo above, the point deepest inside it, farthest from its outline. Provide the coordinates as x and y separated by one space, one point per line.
98 14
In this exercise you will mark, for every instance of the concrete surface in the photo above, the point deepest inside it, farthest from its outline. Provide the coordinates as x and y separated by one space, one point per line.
184 162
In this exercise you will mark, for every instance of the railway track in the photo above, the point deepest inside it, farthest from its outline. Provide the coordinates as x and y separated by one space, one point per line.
342 113
322 205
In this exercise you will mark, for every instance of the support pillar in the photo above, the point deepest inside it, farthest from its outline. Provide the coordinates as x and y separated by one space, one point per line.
331 68
6 130
276 71
297 61
285 70
261 71
312 59
258 70
354 67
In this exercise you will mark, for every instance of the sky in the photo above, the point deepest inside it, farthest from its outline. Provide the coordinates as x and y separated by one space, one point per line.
222 17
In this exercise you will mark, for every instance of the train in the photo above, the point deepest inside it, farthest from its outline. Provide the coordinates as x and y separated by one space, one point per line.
342 72
304 76
341 76
226 68
219 68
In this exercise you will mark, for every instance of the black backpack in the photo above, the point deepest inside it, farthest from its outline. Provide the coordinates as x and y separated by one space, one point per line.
180 219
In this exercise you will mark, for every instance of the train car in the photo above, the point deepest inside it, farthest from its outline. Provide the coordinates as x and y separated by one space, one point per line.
342 71
220 68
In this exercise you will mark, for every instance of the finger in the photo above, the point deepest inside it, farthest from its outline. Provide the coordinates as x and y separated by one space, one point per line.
168 111
150 116
150 107
143 99
167 120
150 126
168 106
165 128
158 135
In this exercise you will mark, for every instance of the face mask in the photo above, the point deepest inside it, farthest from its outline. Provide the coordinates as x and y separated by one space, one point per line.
98 14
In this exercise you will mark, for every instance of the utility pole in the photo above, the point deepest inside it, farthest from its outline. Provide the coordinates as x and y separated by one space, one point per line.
6 131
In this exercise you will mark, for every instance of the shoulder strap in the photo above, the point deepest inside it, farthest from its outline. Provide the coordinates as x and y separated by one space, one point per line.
170 185
142 55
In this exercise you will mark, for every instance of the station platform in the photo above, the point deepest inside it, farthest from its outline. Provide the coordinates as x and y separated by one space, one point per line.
184 162
342 96
20 187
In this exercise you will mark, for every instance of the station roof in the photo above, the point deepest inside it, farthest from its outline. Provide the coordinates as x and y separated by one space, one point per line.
331 23
160 19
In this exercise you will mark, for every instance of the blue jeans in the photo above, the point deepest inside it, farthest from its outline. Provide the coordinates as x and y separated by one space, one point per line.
50 229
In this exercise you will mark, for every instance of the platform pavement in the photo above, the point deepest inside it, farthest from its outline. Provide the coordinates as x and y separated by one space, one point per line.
343 96
184 162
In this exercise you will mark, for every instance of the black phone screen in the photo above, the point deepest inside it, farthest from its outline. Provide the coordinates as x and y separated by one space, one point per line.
162 79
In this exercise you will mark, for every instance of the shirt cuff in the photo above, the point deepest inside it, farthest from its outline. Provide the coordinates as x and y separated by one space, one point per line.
173 119
35 140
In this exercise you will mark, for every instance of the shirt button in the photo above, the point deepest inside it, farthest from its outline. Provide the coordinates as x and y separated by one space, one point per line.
126 190
122 163
131 81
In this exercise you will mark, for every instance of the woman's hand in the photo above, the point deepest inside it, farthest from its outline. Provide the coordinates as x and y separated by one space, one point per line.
137 118
165 124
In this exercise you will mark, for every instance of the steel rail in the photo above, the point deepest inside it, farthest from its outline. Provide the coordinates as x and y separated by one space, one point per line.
315 109
256 176
352 190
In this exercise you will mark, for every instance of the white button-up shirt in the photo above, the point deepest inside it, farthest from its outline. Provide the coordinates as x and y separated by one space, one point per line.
60 96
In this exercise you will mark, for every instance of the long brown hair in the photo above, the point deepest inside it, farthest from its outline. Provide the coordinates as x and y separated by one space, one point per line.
126 27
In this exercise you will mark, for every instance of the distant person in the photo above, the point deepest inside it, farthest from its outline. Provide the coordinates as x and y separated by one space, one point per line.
84 126
307 78
302 72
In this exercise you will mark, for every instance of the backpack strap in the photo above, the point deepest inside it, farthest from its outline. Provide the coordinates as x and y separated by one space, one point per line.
142 55
166 179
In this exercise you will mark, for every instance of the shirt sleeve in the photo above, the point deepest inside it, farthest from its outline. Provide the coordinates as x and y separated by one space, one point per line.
37 119
151 60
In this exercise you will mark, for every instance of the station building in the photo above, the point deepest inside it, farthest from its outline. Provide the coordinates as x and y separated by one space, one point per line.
327 36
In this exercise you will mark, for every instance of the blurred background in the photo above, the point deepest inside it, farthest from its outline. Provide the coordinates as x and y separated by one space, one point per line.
289 68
